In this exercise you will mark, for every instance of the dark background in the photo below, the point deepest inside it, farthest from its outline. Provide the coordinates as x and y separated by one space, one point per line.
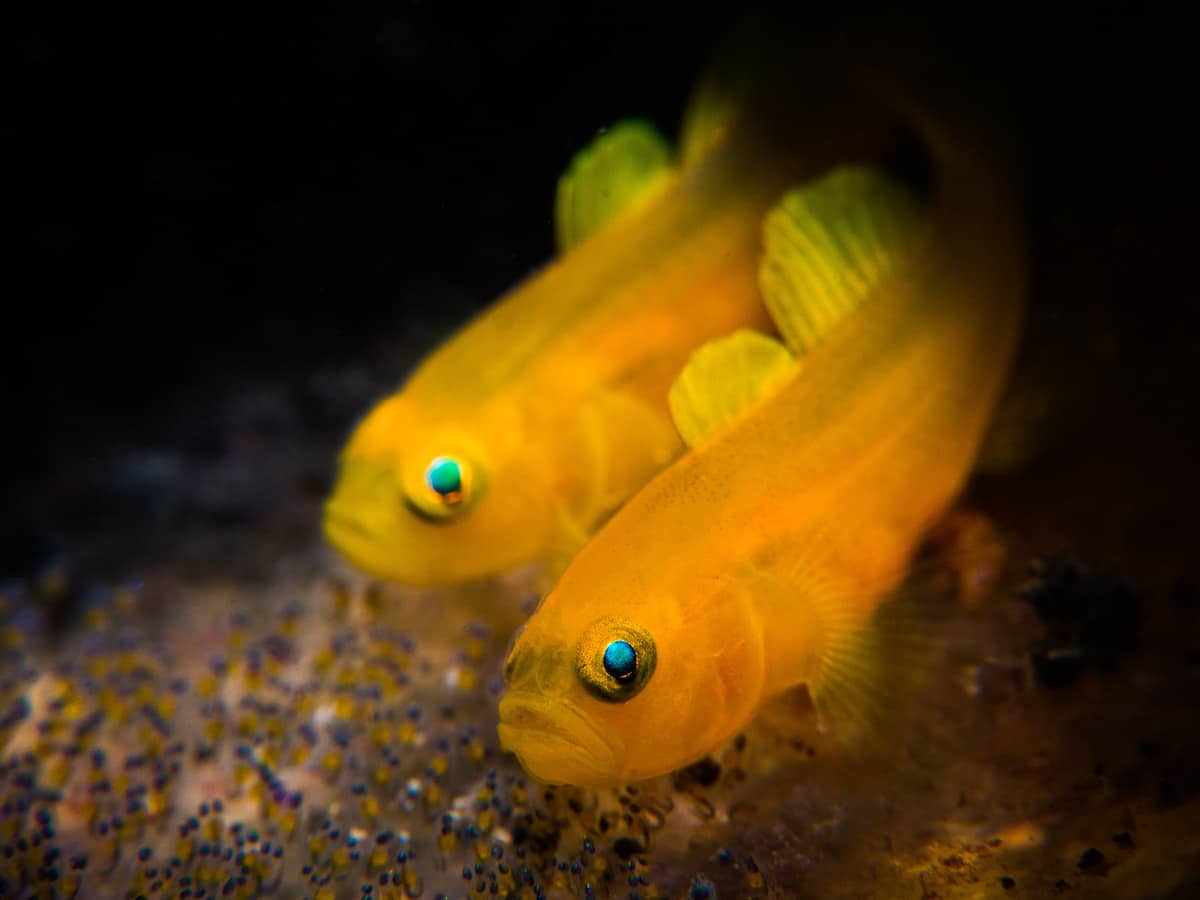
194 201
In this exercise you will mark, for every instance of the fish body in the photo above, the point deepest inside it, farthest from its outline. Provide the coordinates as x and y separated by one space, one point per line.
551 405
760 559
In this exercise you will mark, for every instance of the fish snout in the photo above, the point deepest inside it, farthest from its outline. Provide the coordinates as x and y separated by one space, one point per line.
555 742
363 481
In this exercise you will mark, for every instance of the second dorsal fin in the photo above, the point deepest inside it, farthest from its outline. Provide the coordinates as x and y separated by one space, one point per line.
724 377
828 245
619 169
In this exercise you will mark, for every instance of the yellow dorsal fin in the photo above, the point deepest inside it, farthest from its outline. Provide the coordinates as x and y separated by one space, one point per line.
722 378
828 246
619 169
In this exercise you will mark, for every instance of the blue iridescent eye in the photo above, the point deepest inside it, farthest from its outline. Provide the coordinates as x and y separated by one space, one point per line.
620 660
444 477
444 490
615 659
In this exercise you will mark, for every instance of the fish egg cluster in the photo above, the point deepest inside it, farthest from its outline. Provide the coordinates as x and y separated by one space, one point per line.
313 750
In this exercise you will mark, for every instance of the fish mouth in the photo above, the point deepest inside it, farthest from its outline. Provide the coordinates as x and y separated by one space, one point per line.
342 529
355 541
555 742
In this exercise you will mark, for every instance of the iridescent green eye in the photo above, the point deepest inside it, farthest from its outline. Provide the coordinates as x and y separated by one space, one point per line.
443 490
615 659
445 478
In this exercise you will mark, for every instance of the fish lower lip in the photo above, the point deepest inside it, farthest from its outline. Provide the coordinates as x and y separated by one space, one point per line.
350 538
554 758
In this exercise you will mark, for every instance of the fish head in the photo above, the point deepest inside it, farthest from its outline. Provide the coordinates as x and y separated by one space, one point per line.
431 500
602 694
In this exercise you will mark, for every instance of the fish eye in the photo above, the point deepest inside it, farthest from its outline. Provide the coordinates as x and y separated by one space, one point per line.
444 491
615 659
445 478
620 660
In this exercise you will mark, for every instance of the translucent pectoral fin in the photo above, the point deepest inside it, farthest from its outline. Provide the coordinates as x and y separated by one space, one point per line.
888 687
623 441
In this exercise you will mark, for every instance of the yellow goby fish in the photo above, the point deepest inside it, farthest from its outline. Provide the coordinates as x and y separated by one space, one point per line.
762 558
512 441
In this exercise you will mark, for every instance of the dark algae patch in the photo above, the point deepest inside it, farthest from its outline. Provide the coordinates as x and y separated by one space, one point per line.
1090 618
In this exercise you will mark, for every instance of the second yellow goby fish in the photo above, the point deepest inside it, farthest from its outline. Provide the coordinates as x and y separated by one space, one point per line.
761 559
512 442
